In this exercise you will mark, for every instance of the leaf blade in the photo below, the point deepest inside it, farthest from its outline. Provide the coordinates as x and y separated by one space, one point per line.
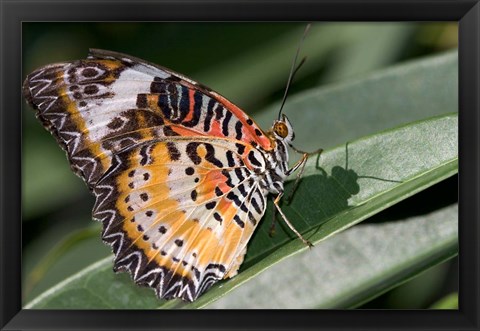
354 266
377 197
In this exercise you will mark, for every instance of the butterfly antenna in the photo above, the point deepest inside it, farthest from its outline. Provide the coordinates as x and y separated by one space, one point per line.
293 70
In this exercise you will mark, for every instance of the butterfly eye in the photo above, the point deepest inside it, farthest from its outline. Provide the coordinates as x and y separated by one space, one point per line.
281 129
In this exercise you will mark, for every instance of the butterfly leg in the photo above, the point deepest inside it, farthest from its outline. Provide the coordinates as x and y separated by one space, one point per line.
275 202
300 164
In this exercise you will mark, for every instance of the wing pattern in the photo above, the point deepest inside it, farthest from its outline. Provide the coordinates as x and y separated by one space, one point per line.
173 166
111 101
179 212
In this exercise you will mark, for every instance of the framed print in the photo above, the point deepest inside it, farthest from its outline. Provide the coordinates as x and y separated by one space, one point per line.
299 158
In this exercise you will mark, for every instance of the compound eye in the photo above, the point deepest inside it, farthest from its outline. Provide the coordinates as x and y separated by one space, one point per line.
281 129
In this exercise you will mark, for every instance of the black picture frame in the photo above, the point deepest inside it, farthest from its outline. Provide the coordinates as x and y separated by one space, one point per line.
466 12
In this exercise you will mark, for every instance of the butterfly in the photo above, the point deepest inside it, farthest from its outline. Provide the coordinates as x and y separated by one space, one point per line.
180 174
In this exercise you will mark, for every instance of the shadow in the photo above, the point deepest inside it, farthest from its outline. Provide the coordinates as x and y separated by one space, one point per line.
317 199
440 195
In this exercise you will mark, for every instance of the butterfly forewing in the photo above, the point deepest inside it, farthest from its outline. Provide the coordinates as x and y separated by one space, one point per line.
172 165
98 106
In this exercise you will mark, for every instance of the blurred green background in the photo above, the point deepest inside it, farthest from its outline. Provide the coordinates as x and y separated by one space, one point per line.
246 62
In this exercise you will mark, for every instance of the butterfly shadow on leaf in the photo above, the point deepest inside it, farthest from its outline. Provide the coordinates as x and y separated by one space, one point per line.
319 198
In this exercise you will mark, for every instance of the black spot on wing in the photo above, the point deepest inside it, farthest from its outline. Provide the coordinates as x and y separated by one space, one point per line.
218 112
158 86
210 156
227 176
142 101
233 197
173 78
208 117
184 104
244 208
218 217
193 195
240 148
173 151
255 205
230 159
115 124
239 174
253 160
192 152
189 171
238 130
179 242
91 89
237 220
242 190
210 205
88 72
145 155
228 116
197 110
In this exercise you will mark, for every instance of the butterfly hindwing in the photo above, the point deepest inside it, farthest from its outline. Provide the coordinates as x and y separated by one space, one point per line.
179 212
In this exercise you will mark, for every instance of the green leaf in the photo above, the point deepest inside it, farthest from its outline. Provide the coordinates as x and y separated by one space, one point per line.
373 43
54 263
448 302
382 169
39 158
333 115
353 266
345 186
418 292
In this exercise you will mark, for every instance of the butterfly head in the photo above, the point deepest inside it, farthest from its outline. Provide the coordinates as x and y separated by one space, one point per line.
282 130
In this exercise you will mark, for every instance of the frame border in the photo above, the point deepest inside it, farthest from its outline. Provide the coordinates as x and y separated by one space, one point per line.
14 12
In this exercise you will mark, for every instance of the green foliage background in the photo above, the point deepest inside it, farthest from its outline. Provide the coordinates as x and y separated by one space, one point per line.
348 64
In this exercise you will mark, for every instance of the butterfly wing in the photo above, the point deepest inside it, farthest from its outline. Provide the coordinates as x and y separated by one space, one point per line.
179 211
170 163
111 101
